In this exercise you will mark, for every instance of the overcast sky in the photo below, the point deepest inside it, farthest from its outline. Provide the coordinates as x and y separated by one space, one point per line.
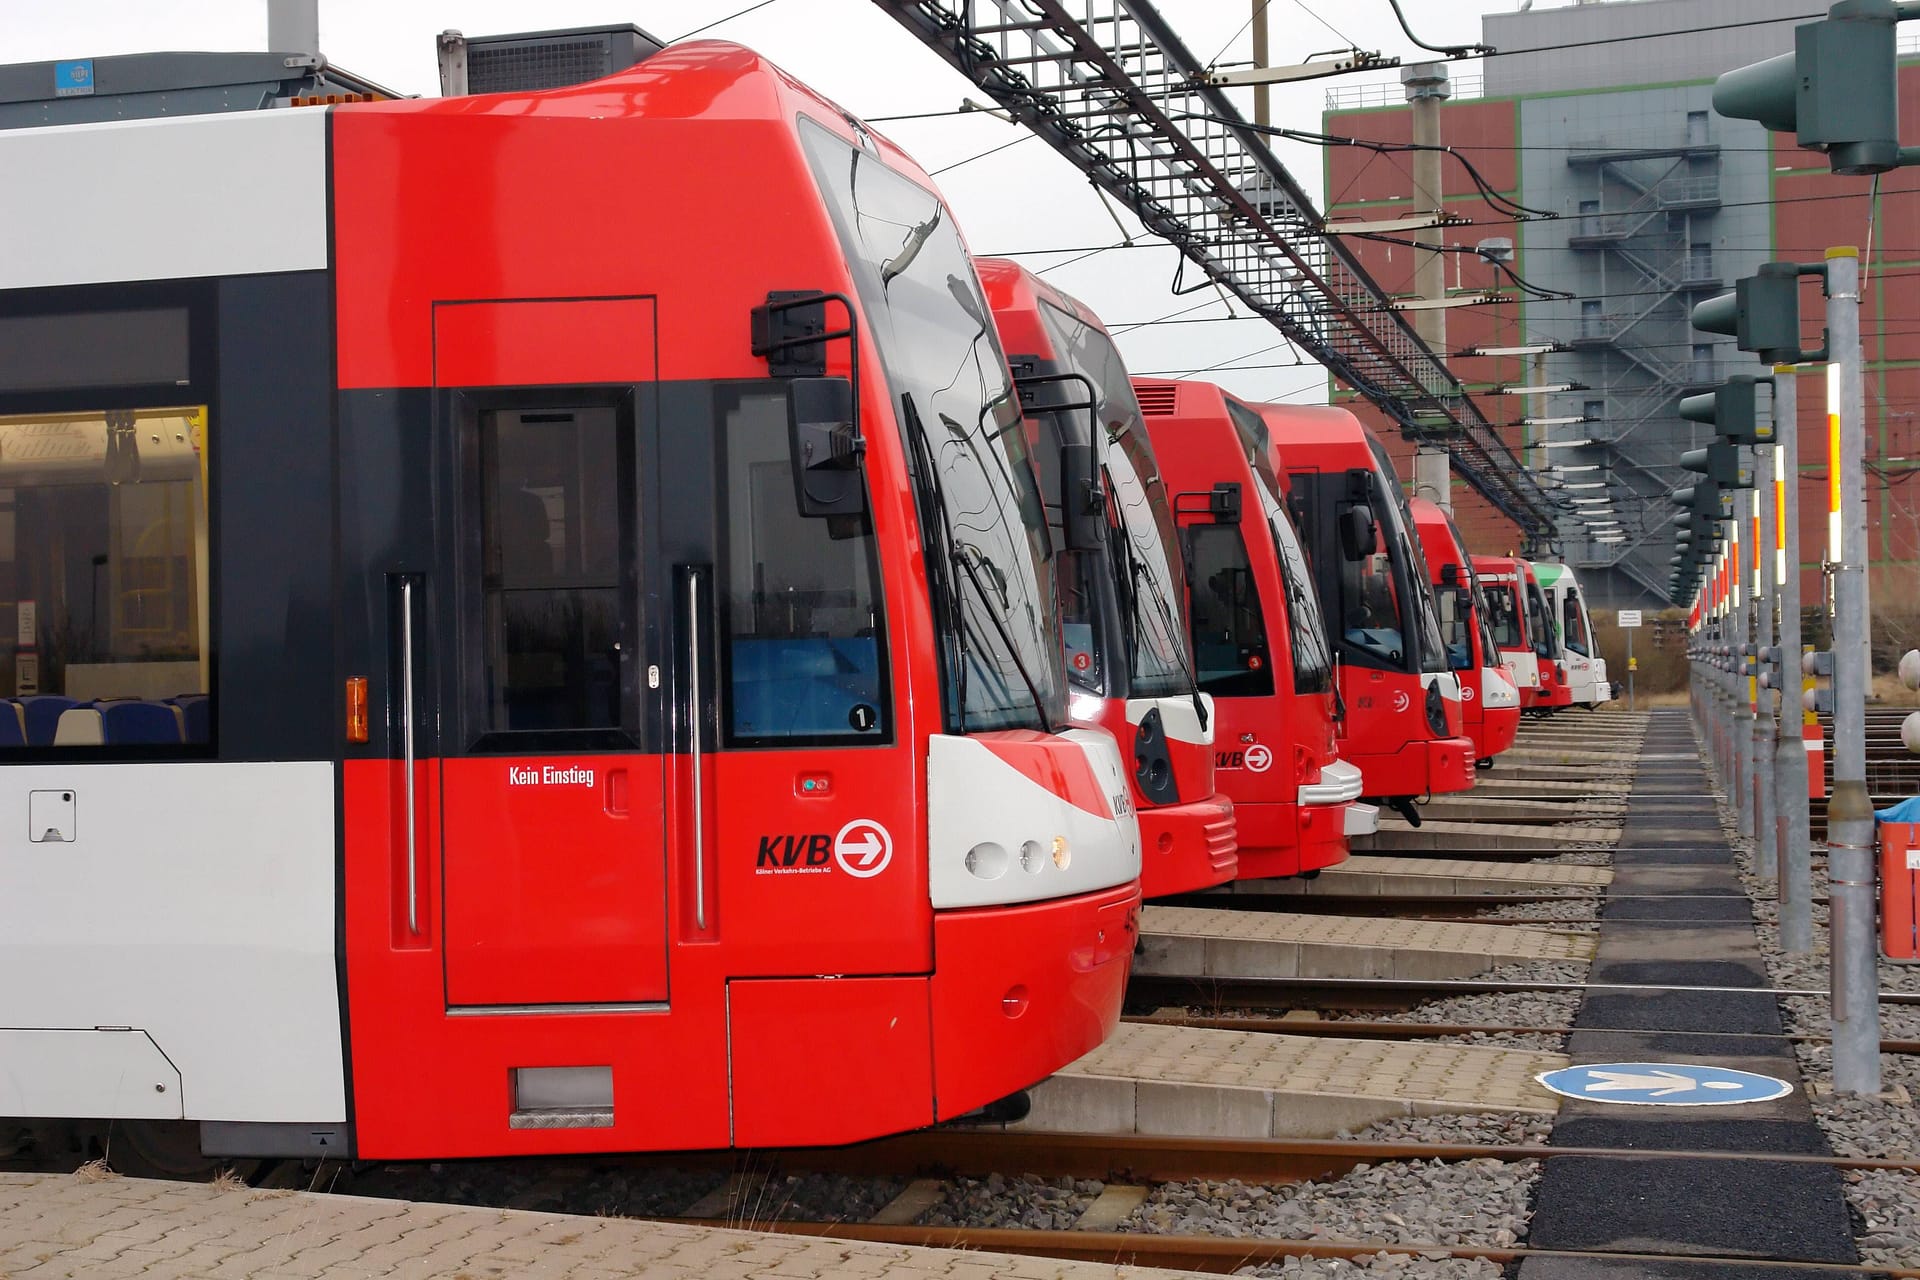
1023 198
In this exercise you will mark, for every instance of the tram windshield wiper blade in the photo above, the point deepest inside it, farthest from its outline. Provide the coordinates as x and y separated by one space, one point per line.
897 265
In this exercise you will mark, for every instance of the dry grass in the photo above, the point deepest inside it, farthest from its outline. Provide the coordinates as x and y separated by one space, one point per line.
95 1171
228 1180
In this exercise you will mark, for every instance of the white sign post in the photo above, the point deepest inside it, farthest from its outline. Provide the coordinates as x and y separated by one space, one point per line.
1629 621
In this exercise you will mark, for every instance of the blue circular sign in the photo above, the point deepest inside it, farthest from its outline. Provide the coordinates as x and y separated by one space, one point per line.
1663 1084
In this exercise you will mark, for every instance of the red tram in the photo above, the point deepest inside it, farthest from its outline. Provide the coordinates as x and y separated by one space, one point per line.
1259 641
1123 587
1516 611
1489 702
1403 726
547 657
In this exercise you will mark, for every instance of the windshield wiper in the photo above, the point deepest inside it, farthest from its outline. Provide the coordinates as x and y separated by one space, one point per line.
897 265
947 556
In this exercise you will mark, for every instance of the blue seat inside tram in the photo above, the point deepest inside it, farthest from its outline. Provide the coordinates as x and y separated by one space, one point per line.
195 711
34 721
798 688
134 723
43 712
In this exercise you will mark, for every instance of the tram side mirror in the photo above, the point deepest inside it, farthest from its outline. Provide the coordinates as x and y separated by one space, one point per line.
825 447
1356 532
1083 507
1223 502
1449 575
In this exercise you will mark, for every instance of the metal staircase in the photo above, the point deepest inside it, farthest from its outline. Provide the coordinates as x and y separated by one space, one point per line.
1116 92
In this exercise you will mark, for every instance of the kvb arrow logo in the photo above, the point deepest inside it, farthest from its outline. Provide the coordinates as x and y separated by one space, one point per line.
863 848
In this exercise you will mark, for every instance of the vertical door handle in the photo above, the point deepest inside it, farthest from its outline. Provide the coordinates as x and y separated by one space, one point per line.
407 751
696 708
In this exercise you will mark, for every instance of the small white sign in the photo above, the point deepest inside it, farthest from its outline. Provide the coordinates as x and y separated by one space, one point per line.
1913 859
27 613
1628 618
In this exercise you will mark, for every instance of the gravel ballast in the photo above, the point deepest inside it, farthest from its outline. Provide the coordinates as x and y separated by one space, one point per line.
1467 1202
1500 1008
1418 1266
1045 1204
1466 1129
1888 1202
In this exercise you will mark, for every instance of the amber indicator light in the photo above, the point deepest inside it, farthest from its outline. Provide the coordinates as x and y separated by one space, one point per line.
356 709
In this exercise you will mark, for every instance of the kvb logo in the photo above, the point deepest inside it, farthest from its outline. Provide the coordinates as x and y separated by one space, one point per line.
863 848
1259 758
1466 691
1401 701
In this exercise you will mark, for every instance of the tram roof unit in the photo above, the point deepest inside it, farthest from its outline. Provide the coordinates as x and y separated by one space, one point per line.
138 86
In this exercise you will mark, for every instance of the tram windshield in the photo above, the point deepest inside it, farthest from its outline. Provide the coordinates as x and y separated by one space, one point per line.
1306 627
1573 623
1149 576
1546 640
1503 615
990 559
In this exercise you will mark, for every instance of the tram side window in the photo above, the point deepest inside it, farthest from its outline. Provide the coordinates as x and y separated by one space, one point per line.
1229 630
802 616
103 579
552 615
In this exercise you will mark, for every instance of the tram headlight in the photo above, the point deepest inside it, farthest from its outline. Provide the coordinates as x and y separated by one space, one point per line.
1436 710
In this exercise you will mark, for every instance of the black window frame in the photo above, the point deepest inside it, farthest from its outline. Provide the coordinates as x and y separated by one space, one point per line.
736 391
198 297
471 725
1260 680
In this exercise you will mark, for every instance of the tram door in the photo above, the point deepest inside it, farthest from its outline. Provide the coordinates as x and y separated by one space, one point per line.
552 810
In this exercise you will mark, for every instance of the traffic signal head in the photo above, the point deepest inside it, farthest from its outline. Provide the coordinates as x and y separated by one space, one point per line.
1733 409
1705 500
1836 90
1762 313
1719 463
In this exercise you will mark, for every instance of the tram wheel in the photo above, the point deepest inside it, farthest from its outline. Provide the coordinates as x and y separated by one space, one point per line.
163 1149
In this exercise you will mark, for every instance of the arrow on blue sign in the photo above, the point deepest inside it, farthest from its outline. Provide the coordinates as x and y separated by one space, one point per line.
1663 1084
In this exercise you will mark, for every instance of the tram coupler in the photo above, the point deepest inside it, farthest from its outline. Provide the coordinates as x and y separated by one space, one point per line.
1406 808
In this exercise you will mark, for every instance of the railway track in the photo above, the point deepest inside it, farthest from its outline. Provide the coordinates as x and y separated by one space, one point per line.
1395 994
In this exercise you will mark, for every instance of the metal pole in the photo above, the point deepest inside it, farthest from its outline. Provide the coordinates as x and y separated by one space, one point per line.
1630 632
1850 835
1740 721
1427 87
1766 833
1262 100
1790 751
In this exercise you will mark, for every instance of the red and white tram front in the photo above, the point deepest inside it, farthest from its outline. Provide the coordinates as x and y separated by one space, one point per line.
558 659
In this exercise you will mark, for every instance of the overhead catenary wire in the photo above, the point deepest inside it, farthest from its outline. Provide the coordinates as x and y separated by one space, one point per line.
741 13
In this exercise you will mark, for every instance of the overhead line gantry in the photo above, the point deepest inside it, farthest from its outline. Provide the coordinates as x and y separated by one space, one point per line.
1117 93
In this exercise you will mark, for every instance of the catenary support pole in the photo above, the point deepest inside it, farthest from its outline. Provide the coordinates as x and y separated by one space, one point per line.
1427 88
1740 711
1850 835
1790 751
1766 835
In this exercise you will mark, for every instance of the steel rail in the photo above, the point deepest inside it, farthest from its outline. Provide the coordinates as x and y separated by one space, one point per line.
1224 1255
